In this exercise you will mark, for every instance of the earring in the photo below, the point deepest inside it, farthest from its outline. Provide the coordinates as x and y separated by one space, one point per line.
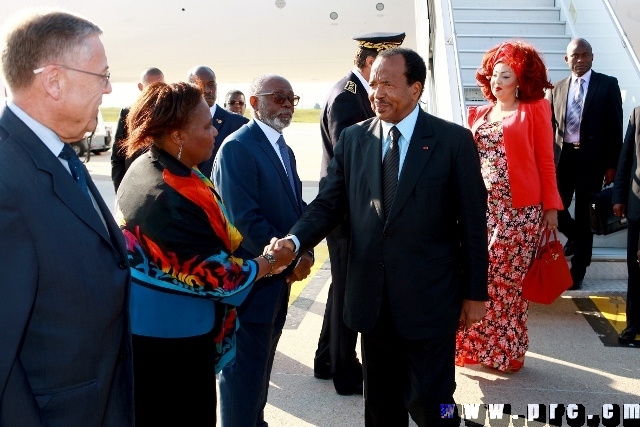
180 151
517 92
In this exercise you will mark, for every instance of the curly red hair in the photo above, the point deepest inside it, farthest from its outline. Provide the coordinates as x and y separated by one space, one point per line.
526 63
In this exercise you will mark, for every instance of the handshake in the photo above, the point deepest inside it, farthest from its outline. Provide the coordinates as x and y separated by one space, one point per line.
281 251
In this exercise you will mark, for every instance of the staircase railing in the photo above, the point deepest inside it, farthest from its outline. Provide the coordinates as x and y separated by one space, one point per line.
625 40
452 41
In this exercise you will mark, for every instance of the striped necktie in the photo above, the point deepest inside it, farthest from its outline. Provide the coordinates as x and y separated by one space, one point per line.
284 152
576 104
390 168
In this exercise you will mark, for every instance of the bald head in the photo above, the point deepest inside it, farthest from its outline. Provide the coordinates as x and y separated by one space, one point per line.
579 57
205 78
150 75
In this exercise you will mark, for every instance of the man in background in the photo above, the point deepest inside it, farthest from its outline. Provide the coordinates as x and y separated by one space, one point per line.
347 104
119 161
586 112
225 123
256 176
65 342
234 102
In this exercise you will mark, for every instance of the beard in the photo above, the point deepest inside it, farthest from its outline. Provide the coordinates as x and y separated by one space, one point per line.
274 120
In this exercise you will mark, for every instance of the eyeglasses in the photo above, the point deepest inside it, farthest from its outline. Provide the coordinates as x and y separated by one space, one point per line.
106 77
240 103
279 98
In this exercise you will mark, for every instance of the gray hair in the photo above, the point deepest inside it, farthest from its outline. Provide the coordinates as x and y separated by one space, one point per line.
258 83
40 38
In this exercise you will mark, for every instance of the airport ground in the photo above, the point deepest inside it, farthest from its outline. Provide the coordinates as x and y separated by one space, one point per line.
574 357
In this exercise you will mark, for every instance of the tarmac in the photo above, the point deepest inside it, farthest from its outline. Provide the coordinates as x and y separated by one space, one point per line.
574 359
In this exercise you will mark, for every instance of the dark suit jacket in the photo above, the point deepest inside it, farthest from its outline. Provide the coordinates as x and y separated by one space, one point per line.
431 252
225 123
65 342
347 104
119 161
255 189
626 189
600 127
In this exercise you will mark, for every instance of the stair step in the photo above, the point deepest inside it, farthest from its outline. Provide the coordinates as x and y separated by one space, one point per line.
486 41
473 57
468 73
592 287
502 3
507 14
510 28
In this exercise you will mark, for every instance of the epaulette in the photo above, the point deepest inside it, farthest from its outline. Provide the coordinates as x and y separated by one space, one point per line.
350 86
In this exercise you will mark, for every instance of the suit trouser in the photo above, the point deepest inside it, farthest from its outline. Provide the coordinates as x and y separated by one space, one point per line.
244 384
174 381
577 229
403 377
633 286
337 343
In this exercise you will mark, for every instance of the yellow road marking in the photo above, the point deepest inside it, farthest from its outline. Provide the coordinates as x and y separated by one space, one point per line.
321 254
613 309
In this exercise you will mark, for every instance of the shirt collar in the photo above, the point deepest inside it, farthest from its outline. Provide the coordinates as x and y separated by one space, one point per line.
271 134
405 126
213 109
585 77
360 77
46 135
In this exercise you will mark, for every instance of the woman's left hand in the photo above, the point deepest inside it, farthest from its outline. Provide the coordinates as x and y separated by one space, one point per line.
550 219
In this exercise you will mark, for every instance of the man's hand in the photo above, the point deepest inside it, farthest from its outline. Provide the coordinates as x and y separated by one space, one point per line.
609 176
618 210
472 312
276 244
302 270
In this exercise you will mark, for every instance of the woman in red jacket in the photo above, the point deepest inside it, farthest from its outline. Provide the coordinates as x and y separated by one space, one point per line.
514 137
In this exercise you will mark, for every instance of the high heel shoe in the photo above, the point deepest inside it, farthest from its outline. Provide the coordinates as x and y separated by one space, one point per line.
514 366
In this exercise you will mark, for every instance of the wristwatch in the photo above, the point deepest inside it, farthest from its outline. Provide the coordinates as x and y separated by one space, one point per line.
272 262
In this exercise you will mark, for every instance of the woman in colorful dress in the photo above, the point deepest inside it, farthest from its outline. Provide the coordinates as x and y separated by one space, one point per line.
514 137
185 280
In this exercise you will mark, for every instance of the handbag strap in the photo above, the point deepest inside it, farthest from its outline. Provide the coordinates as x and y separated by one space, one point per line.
545 239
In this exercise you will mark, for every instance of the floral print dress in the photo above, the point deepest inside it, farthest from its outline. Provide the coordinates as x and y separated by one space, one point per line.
513 234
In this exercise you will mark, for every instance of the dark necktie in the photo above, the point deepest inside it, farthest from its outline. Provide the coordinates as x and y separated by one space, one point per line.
390 168
573 116
284 152
75 166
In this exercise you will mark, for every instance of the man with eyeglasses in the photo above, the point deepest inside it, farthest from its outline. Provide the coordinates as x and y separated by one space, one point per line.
347 104
119 161
586 110
224 122
65 346
235 102
255 174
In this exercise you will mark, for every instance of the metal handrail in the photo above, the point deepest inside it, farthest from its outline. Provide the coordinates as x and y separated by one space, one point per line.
625 40
453 42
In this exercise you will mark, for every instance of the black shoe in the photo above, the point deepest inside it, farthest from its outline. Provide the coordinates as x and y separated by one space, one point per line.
577 280
348 391
322 371
569 248
628 335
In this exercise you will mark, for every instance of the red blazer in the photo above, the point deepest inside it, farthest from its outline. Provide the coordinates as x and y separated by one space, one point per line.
528 140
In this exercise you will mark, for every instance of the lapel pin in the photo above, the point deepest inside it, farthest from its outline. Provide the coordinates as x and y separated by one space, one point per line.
219 121
425 147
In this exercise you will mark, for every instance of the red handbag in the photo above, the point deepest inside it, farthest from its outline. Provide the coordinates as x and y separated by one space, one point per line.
549 276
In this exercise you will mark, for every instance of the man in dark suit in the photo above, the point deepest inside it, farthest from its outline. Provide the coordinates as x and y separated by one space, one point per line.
119 161
234 102
626 199
255 174
225 122
65 345
418 261
587 121
347 104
